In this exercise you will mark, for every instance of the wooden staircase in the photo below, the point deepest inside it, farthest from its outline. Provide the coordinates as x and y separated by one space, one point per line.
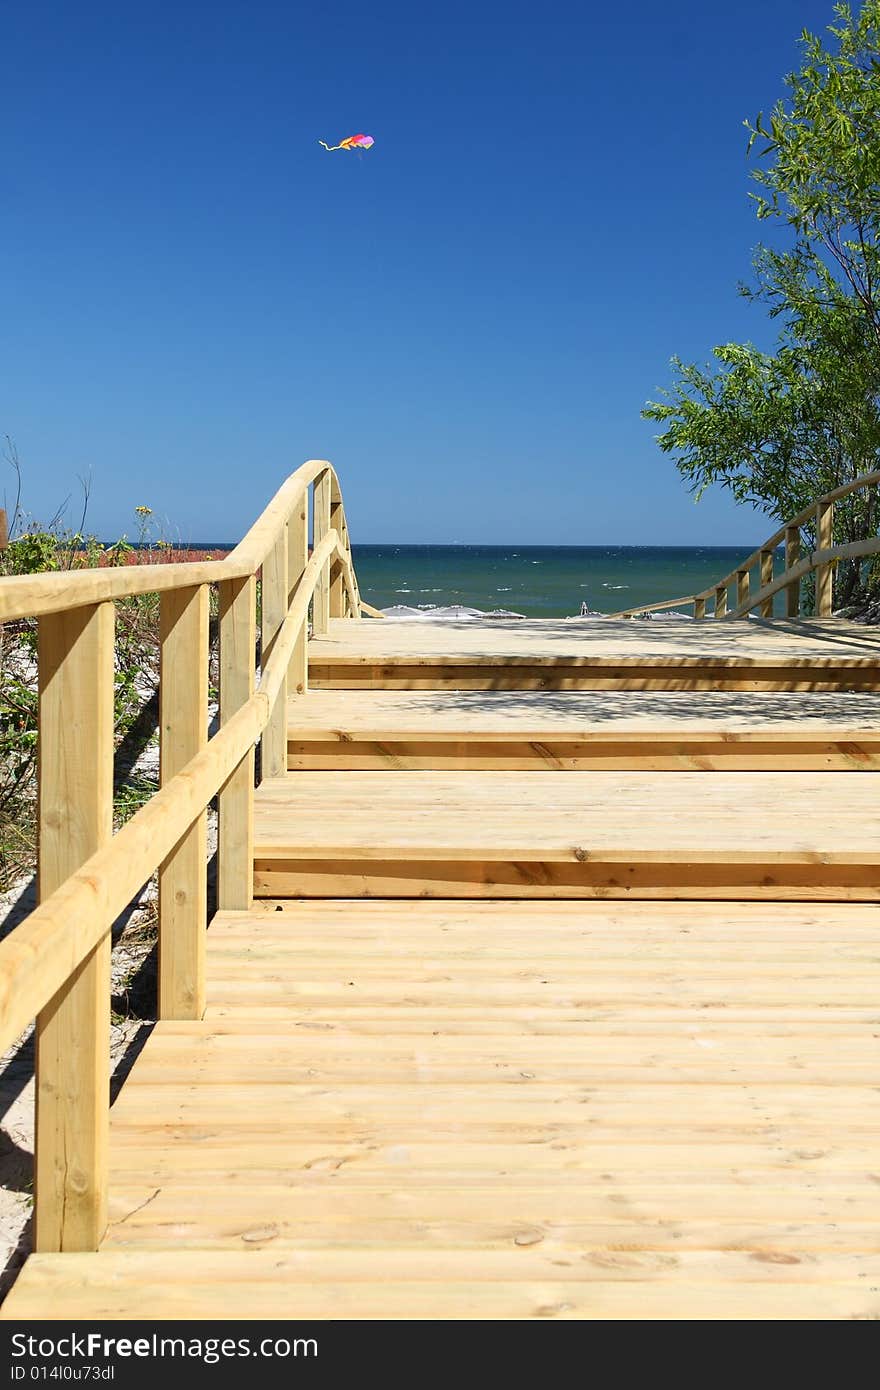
456 793
558 998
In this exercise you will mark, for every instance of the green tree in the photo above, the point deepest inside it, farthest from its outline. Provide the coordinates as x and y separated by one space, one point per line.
779 429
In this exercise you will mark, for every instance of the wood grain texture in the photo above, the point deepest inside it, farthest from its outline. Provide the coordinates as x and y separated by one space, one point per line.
608 818
274 603
505 1110
183 724
320 527
824 572
601 653
630 730
75 774
238 636
765 577
792 558
297 558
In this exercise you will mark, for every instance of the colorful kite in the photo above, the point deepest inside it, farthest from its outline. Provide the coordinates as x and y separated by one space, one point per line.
351 142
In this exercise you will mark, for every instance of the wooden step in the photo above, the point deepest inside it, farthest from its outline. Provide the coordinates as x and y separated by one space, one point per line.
487 1109
596 654
782 835
521 729
543 1280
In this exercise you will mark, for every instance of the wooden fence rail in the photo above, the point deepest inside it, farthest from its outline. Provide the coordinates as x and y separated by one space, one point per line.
55 966
820 561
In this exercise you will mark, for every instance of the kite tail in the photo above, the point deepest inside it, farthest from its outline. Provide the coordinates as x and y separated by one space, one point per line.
330 147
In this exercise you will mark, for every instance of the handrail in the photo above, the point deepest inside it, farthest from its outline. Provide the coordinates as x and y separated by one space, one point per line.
797 567
40 954
55 965
30 596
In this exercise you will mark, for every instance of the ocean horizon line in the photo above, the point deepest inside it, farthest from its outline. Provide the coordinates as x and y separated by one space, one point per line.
744 548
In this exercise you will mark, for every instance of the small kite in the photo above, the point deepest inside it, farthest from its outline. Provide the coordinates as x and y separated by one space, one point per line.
351 142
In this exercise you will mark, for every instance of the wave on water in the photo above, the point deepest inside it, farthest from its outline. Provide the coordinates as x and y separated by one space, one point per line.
457 612
467 576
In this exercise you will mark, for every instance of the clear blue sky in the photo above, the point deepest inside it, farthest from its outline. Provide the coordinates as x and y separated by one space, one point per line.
466 320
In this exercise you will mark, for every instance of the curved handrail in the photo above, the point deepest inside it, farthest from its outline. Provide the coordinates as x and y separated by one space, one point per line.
43 951
56 964
32 596
796 568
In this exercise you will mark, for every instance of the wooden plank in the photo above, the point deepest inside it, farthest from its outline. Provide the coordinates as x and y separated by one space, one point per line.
586 1283
792 558
336 729
297 559
446 676
658 1216
766 577
482 1153
708 1112
183 723
73 1034
236 801
645 754
24 596
824 572
525 715
459 878
273 610
742 587
337 523
320 526
37 958
615 642
538 816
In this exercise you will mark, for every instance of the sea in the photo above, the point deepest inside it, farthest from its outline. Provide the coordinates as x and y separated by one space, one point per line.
539 581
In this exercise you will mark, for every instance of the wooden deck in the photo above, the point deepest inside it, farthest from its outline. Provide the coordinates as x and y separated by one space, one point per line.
501 1110
597 654
530 1019
540 834
615 730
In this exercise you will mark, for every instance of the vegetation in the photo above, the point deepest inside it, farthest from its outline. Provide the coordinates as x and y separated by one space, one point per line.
36 548
778 429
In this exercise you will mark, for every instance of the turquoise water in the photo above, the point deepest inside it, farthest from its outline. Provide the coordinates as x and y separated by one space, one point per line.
539 581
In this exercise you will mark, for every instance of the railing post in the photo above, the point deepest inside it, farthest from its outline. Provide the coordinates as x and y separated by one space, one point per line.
699 608
238 635
320 527
742 587
183 722
721 601
766 608
824 573
347 611
75 762
273 612
792 558
337 524
297 558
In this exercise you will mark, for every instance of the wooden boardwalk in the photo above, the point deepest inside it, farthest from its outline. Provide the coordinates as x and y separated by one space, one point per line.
545 978
332 730
501 1110
596 654
547 834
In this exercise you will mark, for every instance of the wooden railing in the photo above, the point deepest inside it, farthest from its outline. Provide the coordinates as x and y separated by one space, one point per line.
820 561
55 966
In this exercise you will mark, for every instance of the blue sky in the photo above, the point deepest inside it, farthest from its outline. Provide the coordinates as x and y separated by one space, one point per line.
467 319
